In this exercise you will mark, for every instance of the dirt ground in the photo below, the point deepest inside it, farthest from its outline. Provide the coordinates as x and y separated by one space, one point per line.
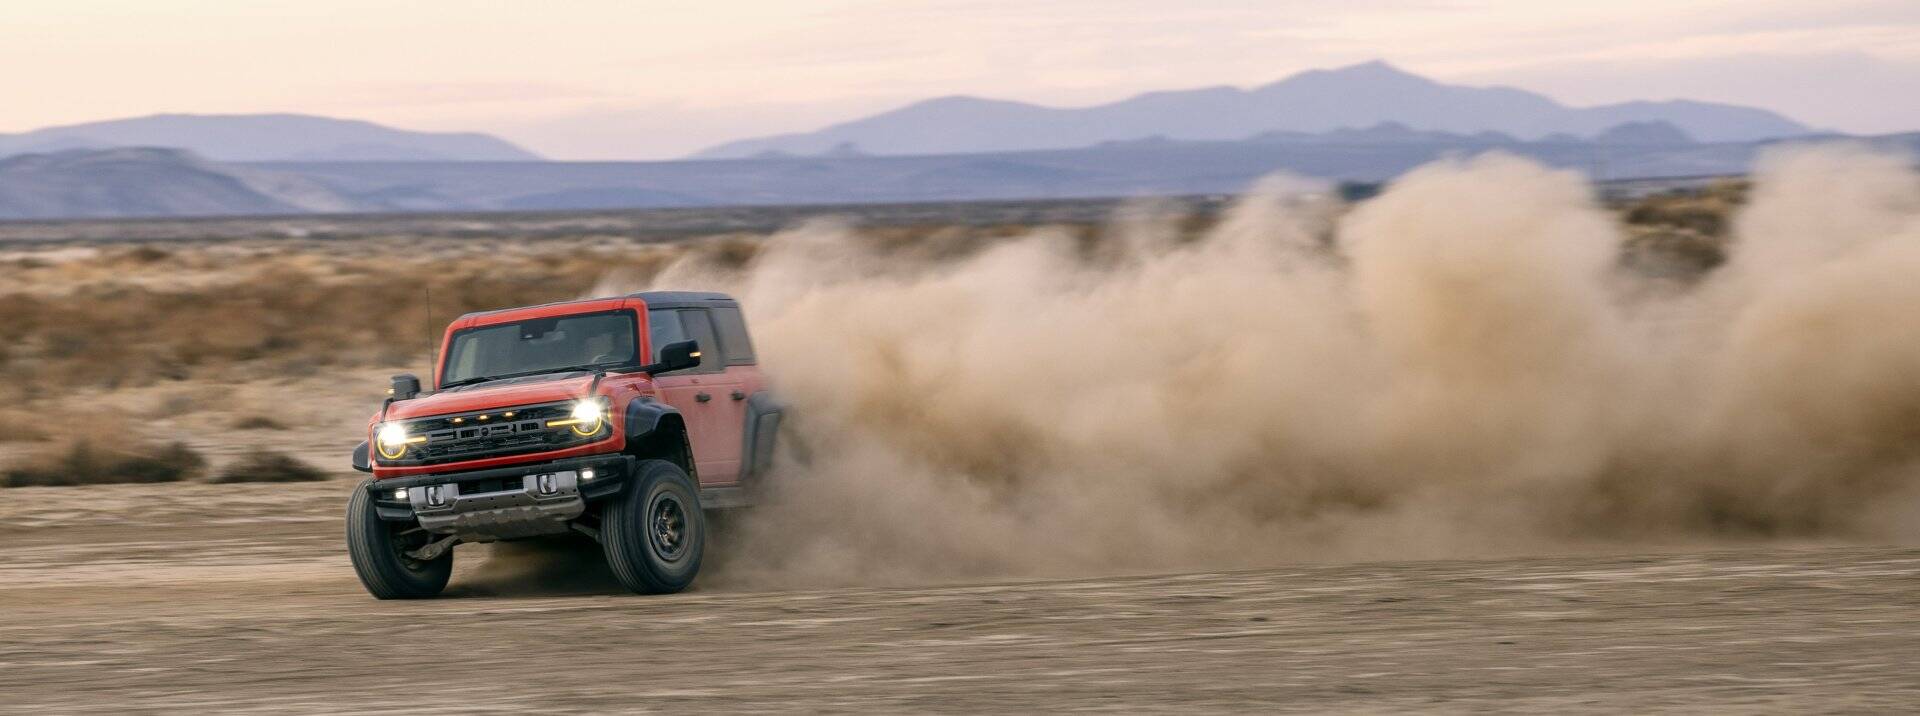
236 598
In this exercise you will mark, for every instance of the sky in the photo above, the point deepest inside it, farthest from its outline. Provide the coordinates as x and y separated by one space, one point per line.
636 79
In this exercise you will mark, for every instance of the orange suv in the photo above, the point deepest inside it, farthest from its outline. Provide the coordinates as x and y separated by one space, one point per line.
623 419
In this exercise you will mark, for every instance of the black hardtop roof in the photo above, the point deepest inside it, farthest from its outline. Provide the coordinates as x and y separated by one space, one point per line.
654 299
682 299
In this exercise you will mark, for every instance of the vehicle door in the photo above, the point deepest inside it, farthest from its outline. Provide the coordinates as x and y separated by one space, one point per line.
749 401
703 394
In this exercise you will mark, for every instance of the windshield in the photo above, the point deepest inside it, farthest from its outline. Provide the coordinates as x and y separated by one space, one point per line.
543 345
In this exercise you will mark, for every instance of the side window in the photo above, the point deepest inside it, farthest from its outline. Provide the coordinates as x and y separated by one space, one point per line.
699 327
733 335
663 327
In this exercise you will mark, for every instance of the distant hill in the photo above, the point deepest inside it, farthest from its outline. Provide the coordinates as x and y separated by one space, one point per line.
268 137
1316 101
126 182
153 182
1147 167
1644 133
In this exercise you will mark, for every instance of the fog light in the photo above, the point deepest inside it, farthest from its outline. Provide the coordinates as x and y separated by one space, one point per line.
586 474
400 494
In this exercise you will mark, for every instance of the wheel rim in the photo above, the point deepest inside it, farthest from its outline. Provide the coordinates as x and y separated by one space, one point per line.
667 527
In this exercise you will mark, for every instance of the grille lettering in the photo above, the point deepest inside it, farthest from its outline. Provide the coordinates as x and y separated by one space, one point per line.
447 440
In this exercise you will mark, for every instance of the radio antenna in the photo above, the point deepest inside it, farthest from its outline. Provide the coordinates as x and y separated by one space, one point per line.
433 350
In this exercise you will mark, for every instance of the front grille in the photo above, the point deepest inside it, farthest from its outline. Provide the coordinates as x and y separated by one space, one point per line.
466 436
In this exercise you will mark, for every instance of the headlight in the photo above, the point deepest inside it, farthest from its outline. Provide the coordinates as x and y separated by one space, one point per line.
392 439
585 419
392 435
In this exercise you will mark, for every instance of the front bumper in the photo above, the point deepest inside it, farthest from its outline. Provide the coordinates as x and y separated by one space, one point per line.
502 503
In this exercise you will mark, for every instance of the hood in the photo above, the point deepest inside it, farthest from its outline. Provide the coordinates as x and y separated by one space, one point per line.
489 396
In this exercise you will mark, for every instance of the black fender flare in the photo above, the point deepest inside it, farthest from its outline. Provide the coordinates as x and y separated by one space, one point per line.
647 420
762 430
645 415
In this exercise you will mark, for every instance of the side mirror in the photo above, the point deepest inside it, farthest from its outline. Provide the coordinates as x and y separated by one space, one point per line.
405 387
675 356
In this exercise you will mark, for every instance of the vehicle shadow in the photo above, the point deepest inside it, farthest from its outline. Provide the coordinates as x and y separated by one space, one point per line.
571 565
562 566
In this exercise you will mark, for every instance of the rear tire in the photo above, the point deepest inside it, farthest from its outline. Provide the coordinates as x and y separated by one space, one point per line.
377 549
654 533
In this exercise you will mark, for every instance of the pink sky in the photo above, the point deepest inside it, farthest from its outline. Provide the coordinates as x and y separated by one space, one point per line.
606 79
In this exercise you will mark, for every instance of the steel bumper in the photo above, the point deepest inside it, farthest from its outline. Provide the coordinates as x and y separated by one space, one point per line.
504 503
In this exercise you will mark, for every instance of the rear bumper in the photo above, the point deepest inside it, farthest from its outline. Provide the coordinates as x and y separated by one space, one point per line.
502 503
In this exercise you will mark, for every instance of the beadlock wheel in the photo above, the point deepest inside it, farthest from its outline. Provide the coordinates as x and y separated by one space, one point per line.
654 533
669 523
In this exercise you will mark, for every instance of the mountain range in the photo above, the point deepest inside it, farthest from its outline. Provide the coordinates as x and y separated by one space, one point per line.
1363 123
149 181
166 182
1315 101
268 137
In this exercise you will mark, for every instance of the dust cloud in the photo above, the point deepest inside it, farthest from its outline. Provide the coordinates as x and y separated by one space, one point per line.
1459 366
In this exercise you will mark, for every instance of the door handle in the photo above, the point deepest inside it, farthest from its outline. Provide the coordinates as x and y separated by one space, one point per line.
737 395
702 397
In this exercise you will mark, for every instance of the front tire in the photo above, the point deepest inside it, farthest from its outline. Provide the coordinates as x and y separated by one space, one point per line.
378 547
654 532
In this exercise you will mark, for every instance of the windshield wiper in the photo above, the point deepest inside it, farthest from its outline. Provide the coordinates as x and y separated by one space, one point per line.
566 369
470 381
543 371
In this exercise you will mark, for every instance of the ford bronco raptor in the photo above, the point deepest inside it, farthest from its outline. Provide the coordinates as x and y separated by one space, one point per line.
620 418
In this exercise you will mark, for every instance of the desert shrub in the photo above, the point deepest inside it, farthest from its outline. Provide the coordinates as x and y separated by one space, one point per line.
180 402
1680 234
258 422
85 462
1669 252
269 466
1705 217
146 255
279 311
1707 210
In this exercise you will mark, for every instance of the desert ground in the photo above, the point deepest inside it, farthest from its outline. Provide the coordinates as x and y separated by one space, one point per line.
196 598
170 353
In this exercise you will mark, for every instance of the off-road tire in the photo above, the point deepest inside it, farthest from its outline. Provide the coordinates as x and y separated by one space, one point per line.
375 549
654 533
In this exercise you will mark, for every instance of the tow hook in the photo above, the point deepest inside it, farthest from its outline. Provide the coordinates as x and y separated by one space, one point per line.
434 550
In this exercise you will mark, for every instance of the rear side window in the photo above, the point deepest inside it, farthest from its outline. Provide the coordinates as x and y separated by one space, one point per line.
733 335
699 327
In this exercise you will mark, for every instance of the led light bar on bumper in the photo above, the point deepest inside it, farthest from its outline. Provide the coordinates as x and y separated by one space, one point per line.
466 436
